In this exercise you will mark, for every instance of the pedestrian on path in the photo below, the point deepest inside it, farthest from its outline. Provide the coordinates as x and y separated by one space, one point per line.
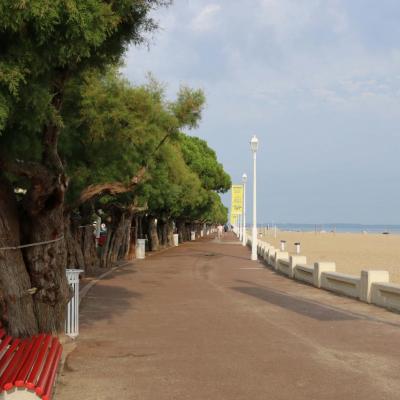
220 231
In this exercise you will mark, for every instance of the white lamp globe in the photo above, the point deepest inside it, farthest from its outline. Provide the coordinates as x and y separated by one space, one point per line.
254 144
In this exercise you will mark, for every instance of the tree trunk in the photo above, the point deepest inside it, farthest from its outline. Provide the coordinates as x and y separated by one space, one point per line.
88 245
105 248
170 233
117 239
46 264
180 226
75 258
162 234
133 238
16 304
153 237
127 235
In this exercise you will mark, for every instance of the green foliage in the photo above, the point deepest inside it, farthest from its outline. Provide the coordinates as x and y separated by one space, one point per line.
45 43
188 107
55 59
113 128
203 160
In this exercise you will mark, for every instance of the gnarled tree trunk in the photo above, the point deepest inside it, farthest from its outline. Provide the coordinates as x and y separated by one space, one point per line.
117 242
153 236
16 304
88 245
170 233
133 239
46 264
75 258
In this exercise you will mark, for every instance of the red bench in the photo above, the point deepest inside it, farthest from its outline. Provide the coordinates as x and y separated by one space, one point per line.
28 367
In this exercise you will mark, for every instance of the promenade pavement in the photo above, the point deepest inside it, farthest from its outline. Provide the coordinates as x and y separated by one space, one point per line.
202 322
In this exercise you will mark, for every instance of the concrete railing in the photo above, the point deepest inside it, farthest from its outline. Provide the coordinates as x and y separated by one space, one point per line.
337 282
386 295
281 257
371 287
294 261
304 273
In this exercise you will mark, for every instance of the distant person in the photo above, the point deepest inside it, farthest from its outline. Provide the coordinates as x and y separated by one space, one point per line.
226 228
220 231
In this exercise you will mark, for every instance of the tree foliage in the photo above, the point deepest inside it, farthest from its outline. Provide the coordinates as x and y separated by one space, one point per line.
113 129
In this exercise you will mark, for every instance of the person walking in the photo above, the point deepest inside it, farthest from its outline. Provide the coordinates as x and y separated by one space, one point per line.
220 231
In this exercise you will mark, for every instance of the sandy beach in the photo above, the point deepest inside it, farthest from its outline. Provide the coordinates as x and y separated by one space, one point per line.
352 252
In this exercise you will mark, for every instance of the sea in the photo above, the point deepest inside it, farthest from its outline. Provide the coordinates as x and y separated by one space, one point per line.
339 228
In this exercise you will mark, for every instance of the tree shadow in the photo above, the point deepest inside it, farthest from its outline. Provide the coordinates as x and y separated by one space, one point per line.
121 272
299 306
209 253
105 302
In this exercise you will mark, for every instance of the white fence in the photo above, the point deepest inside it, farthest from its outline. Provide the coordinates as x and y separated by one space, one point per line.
72 321
371 286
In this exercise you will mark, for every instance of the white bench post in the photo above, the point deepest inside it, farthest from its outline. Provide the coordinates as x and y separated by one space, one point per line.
271 256
72 321
141 248
280 255
367 279
319 268
295 260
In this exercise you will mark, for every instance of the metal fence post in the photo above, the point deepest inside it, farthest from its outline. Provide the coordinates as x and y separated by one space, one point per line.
72 321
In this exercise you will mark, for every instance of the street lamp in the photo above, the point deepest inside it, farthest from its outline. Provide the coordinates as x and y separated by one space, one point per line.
244 180
254 148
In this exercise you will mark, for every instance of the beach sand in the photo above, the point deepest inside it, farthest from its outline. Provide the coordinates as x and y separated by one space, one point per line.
352 252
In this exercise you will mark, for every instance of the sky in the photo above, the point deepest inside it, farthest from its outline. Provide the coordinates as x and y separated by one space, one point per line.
318 82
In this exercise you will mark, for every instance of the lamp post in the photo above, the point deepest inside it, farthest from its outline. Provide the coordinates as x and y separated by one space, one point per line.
254 148
240 227
244 180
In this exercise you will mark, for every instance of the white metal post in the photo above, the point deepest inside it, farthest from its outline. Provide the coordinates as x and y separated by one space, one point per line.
254 147
244 178
240 227
98 230
72 321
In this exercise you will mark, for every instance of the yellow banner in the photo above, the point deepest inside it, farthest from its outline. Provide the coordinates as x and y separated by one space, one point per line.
233 219
237 200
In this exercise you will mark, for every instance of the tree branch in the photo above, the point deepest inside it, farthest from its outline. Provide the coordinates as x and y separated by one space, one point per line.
112 188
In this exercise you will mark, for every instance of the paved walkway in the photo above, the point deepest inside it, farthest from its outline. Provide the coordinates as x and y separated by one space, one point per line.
202 322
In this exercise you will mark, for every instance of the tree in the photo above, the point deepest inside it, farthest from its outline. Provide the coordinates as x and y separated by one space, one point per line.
115 137
43 45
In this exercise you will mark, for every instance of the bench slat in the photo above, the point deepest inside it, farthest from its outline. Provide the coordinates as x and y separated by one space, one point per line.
34 375
51 354
8 376
50 382
23 374
30 363
5 342
8 355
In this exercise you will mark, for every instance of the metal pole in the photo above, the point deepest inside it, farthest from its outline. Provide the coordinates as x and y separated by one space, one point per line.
254 244
98 230
244 215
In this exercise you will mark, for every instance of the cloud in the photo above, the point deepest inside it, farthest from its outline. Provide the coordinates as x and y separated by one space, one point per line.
325 71
205 20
